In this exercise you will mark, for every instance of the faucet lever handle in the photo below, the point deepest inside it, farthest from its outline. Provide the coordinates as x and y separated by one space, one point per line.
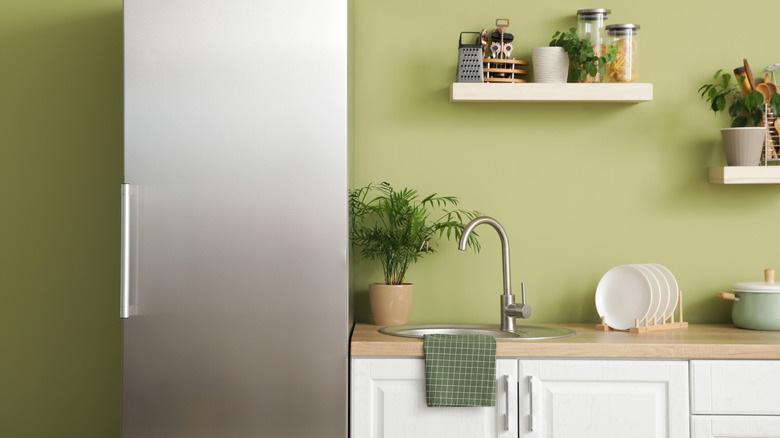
518 310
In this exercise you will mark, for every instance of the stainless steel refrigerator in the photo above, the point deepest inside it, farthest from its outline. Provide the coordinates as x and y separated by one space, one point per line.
234 255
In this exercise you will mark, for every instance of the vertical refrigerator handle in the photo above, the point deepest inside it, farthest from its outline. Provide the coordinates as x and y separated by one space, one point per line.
124 288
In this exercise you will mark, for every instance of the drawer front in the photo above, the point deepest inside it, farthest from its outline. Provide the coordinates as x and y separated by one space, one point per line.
727 426
741 387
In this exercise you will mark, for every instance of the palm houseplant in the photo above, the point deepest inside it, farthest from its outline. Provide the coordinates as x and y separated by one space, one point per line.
747 105
398 228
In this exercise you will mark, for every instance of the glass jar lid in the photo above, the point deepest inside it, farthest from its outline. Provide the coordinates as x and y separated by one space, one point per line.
622 29
592 14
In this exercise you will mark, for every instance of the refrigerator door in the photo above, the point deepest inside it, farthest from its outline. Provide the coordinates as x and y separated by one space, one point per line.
236 152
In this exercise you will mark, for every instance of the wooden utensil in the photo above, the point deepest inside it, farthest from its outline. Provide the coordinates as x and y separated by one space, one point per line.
749 74
764 89
771 85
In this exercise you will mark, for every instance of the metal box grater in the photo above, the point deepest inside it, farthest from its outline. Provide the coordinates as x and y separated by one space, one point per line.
469 61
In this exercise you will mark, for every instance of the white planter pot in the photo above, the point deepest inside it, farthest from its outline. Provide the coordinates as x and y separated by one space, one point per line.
551 64
743 145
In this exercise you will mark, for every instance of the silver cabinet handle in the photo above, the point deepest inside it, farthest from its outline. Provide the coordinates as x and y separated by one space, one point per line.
124 287
531 403
506 394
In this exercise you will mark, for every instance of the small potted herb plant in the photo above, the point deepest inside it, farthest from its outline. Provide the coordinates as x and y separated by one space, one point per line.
398 228
744 140
586 64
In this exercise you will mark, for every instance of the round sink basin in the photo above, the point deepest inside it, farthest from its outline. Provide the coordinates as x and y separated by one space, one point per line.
521 332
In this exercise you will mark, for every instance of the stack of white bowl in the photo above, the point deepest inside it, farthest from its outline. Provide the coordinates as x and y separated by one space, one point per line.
628 293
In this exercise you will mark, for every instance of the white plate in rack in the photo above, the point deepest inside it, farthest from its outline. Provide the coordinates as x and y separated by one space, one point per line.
674 291
655 291
665 291
623 295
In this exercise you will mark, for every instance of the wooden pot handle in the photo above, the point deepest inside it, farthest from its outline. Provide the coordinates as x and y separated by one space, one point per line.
726 296
769 275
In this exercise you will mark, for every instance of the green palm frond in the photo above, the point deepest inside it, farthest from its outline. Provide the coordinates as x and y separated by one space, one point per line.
395 226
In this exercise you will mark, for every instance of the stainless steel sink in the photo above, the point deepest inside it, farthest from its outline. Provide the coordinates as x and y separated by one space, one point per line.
520 333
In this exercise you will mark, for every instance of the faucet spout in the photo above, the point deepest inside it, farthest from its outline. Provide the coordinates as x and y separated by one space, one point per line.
509 309
504 245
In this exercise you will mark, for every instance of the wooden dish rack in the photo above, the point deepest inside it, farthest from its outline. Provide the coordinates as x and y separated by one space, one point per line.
652 325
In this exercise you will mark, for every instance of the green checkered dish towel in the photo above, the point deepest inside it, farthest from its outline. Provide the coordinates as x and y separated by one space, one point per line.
460 370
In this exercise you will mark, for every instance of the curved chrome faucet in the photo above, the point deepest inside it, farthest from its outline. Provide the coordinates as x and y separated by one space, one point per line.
509 309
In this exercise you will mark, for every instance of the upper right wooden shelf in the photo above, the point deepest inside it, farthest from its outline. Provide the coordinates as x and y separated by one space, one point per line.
545 92
745 175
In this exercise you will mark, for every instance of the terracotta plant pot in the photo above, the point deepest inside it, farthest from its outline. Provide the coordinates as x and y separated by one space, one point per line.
390 303
743 145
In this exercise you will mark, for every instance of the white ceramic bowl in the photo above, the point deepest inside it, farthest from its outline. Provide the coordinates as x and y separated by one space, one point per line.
623 295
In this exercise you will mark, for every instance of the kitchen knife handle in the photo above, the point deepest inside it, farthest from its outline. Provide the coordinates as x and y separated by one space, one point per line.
124 287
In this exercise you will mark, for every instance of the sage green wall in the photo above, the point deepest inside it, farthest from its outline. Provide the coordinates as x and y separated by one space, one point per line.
579 187
60 170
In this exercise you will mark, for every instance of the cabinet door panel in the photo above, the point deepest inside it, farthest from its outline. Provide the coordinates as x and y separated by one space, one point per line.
595 398
388 401
734 387
725 426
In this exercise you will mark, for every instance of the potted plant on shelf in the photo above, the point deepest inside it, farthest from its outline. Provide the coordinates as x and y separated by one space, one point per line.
586 65
396 228
744 140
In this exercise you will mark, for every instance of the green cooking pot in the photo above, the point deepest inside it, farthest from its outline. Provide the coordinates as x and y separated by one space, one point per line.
756 304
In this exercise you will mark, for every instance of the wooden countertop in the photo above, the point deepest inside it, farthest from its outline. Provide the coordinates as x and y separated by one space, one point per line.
698 341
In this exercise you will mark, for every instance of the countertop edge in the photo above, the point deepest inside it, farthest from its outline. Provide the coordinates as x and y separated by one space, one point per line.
699 341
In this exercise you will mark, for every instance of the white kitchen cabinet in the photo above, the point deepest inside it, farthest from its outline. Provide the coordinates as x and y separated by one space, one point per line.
603 398
735 398
735 387
388 401
546 398
734 426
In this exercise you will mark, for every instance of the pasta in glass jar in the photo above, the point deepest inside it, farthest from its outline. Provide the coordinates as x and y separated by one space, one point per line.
590 26
625 38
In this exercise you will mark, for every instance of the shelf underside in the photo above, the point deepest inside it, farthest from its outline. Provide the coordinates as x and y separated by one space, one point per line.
544 92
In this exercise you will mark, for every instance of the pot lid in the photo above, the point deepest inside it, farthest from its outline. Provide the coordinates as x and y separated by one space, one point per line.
757 286
766 286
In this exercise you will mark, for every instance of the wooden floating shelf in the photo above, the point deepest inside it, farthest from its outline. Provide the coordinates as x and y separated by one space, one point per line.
541 92
745 175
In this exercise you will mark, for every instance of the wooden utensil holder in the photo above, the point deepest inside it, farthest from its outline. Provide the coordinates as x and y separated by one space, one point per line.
653 325
503 70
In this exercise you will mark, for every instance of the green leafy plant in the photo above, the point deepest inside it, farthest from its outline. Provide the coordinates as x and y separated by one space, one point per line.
583 60
396 226
744 109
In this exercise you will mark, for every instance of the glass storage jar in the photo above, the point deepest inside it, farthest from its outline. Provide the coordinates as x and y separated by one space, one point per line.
590 26
625 38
